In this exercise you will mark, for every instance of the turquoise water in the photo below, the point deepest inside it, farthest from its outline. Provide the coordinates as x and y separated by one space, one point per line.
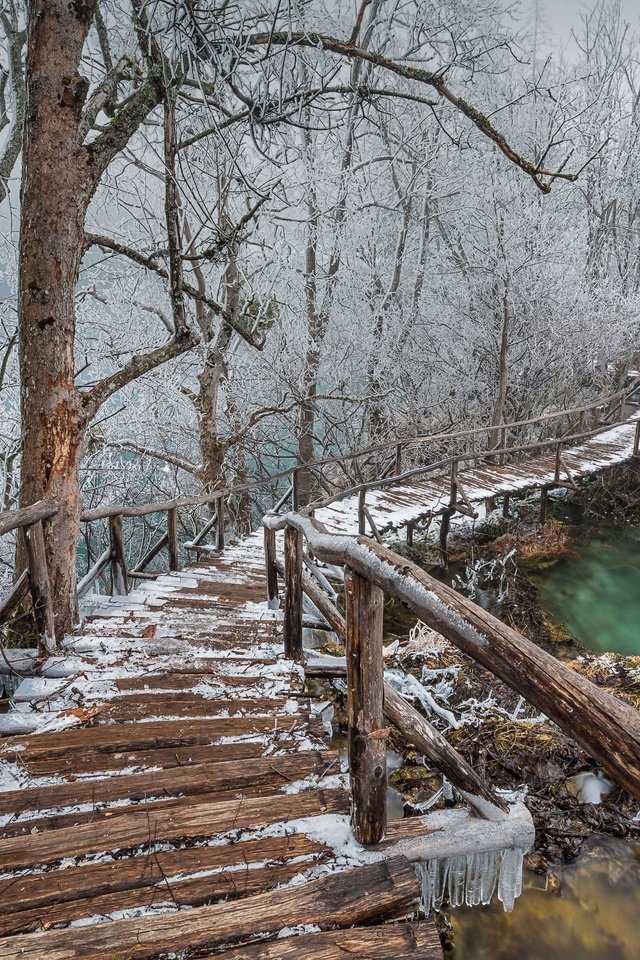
596 592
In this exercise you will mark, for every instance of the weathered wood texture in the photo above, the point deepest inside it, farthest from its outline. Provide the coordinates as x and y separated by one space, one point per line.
608 728
164 823
40 587
293 594
379 891
414 727
367 735
397 941
25 516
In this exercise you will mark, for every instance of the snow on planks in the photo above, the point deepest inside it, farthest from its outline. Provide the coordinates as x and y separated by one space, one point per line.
195 774
398 504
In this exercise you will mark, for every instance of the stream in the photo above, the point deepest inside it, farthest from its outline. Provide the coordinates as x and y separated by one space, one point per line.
591 912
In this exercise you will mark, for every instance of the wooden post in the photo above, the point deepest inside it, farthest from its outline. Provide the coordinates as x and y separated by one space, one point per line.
361 516
557 469
581 422
220 524
40 588
295 489
503 443
453 493
445 523
544 497
118 563
272 571
172 534
293 594
398 458
409 534
365 684
636 440
505 506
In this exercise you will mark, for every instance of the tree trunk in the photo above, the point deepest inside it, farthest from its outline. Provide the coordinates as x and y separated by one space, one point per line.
55 192
503 368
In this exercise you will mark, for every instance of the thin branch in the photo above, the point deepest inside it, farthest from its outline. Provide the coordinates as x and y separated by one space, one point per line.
172 458
352 52
107 243
93 399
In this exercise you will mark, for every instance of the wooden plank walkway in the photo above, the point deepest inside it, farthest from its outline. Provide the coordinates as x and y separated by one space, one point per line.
170 786
399 504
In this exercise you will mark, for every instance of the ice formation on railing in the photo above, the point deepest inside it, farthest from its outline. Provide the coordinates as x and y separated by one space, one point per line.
472 879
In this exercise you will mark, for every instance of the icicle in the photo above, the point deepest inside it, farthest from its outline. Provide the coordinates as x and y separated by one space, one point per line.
456 880
471 879
510 883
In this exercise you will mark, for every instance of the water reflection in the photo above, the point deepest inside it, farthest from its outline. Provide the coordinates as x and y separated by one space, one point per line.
594 916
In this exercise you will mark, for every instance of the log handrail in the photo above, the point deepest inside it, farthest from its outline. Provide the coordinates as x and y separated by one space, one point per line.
606 727
21 517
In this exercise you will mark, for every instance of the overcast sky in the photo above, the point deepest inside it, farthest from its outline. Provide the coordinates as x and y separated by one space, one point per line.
560 15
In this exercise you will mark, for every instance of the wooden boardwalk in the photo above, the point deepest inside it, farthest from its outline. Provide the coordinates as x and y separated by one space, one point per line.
177 792
168 785
400 504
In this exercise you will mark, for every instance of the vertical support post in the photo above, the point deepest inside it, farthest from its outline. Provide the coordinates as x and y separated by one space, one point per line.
295 489
398 458
581 422
40 588
503 443
544 498
445 523
557 469
409 534
273 600
220 524
361 517
636 440
453 492
293 594
172 533
505 506
118 563
365 684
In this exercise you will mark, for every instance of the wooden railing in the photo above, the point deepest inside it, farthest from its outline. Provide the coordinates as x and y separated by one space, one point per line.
113 556
608 728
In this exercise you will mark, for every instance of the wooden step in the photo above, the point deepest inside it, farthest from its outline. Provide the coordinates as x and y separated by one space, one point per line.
376 892
390 941
163 823
141 736
204 778
83 764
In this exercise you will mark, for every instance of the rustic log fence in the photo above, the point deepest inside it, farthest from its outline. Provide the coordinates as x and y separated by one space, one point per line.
569 428
607 728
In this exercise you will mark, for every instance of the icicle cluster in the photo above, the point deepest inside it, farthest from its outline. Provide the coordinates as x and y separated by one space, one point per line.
471 878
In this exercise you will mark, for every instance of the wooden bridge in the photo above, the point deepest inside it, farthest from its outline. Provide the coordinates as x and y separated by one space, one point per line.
167 777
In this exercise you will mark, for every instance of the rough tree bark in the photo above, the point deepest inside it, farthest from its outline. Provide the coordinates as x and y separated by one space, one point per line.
55 193
60 176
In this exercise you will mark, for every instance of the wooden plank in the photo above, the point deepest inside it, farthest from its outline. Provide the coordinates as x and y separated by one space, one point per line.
365 677
139 736
132 708
165 823
91 762
199 778
376 892
20 893
391 941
